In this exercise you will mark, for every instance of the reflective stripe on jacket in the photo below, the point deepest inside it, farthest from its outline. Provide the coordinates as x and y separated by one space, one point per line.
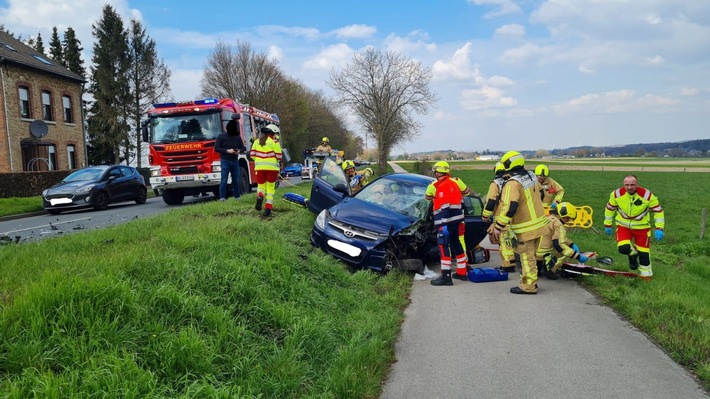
267 156
552 191
632 210
529 218
447 202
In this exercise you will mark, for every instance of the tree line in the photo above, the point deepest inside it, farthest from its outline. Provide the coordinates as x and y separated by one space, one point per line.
384 90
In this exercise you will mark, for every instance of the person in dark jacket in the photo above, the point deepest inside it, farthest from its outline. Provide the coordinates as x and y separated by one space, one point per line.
229 145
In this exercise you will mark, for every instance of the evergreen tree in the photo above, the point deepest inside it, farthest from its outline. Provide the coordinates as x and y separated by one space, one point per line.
55 48
39 44
107 121
71 51
149 81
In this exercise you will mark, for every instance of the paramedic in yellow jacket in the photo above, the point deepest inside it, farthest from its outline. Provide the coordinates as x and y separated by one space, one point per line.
522 212
356 179
555 248
552 191
266 154
633 206
491 210
429 195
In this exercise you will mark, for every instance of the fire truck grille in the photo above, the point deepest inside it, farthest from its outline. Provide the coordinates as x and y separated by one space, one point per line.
184 162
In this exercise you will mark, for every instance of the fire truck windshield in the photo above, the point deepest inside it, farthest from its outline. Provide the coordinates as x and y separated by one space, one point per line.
180 128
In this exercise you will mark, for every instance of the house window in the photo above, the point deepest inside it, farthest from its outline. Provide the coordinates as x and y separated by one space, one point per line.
24 102
66 105
47 106
52 157
71 156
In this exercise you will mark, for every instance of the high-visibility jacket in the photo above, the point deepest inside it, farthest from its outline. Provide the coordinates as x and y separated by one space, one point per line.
526 219
490 207
552 191
555 231
267 156
431 188
447 202
633 210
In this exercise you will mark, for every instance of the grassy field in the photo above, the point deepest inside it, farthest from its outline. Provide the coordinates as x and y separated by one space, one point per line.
213 301
14 206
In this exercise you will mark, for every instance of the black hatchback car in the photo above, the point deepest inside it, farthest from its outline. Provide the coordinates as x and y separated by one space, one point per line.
95 187
386 225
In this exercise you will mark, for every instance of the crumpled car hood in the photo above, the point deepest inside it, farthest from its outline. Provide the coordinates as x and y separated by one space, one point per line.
369 216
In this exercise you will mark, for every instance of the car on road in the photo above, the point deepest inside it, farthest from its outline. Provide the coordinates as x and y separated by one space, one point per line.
95 187
293 169
386 225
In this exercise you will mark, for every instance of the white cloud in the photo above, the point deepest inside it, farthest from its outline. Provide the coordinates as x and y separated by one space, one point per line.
586 70
657 60
504 7
413 42
689 91
289 31
618 101
357 31
510 31
275 53
484 98
457 67
331 57
185 84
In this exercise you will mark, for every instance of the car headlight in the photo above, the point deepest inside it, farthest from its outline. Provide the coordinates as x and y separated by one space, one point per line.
85 189
320 219
44 193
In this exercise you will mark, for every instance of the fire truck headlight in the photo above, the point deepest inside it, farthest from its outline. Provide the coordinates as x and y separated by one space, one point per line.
216 168
154 172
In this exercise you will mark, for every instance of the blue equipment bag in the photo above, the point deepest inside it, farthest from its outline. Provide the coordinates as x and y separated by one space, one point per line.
486 274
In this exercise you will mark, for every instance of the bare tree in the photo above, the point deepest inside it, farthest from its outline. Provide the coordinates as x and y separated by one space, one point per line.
242 74
385 90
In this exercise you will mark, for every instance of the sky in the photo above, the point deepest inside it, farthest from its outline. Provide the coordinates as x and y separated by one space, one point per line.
508 74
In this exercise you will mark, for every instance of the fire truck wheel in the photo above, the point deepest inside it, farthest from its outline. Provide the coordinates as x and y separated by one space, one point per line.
173 197
244 177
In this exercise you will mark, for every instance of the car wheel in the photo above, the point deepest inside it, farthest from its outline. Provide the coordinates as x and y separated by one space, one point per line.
100 201
142 195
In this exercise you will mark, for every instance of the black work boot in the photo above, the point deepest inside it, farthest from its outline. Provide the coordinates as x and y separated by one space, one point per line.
542 269
259 201
506 269
634 261
462 277
267 212
444 279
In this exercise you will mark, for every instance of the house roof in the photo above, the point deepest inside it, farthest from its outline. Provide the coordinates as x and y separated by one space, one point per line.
16 52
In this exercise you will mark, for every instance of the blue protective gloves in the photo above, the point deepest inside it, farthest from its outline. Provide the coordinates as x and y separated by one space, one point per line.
583 259
445 231
575 247
355 180
659 234
553 206
607 230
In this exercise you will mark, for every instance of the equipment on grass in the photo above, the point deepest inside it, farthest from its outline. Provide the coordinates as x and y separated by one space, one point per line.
296 199
583 217
577 269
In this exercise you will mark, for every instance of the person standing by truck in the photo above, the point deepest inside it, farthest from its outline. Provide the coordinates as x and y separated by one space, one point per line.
266 154
229 145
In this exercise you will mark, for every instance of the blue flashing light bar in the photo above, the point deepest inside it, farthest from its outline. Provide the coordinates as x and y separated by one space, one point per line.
207 101
276 118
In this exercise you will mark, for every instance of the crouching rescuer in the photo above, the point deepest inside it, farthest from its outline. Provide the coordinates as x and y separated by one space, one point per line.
448 215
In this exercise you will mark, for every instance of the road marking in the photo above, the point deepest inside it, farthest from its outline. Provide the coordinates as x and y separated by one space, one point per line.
44 225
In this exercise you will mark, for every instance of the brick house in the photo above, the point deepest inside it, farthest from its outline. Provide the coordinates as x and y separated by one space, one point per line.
41 121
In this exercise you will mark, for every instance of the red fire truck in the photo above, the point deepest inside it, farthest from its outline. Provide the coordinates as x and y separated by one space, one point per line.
182 138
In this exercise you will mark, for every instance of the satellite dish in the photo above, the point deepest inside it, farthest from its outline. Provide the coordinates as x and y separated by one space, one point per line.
38 129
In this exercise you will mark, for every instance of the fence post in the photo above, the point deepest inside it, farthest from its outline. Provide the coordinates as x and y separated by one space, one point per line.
703 222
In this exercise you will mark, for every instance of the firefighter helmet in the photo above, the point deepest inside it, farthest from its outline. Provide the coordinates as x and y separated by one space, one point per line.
270 129
498 168
325 140
441 167
512 160
348 164
542 170
567 210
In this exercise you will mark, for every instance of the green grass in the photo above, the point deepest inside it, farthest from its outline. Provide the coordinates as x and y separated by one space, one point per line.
672 309
208 300
14 205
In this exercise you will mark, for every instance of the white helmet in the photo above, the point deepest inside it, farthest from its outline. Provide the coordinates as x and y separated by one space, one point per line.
271 129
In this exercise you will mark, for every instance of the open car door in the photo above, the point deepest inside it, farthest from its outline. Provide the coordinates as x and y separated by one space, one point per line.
475 226
330 186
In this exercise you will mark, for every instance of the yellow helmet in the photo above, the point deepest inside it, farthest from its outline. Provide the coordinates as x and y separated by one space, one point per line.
566 209
325 140
348 164
542 170
498 168
511 160
441 167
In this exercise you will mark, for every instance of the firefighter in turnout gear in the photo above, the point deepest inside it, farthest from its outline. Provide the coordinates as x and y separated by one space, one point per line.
448 216
522 212
356 179
491 210
429 195
266 154
325 146
552 191
633 206
555 248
